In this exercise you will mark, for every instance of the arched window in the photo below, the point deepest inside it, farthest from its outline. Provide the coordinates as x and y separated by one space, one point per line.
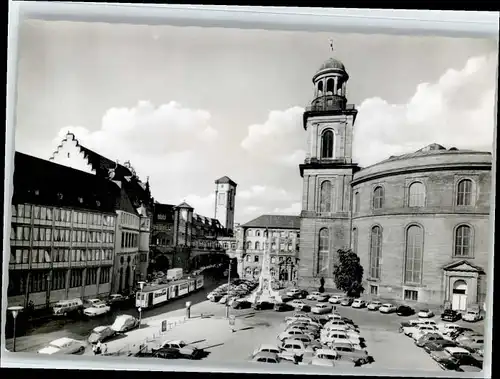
330 86
378 197
375 251
414 253
249 258
257 245
290 246
273 246
356 201
327 144
249 232
416 195
323 251
273 259
325 200
257 233
464 192
248 271
320 88
463 241
249 245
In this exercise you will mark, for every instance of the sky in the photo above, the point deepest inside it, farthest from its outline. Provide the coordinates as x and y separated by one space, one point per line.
187 105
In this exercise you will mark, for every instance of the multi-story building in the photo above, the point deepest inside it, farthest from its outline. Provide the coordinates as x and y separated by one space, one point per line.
251 243
225 195
62 233
419 222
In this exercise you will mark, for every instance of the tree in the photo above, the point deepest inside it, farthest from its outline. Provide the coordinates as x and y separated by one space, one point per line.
321 285
349 273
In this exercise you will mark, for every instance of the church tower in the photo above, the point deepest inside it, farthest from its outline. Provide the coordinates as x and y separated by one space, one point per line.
225 195
327 173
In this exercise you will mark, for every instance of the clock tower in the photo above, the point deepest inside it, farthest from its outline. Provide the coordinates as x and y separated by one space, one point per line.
327 172
183 221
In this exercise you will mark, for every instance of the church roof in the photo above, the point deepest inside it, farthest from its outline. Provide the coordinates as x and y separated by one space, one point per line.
332 63
274 221
225 179
184 205
38 181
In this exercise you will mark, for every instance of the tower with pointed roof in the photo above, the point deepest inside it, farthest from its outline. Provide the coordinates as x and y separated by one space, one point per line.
327 172
225 196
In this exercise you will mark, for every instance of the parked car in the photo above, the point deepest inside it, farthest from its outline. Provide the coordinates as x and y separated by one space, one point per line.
101 334
347 301
293 346
66 307
90 303
328 354
472 315
116 299
374 305
322 297
263 305
405 310
63 345
461 332
452 358
266 348
241 304
346 350
282 307
428 338
334 337
335 299
471 342
447 328
266 357
97 310
451 315
302 294
184 349
387 308
407 326
425 313
124 323
321 309
438 345
297 304
358 303
423 330
165 353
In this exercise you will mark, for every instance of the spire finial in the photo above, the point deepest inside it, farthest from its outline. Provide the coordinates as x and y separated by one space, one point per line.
331 44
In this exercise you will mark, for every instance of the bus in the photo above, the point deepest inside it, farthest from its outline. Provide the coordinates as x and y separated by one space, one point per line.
153 295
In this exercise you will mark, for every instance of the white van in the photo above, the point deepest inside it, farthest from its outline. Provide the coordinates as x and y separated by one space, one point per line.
63 307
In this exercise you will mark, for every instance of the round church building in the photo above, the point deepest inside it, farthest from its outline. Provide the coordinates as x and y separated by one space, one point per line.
420 225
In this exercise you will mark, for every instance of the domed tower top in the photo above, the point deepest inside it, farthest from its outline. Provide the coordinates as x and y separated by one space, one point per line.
330 86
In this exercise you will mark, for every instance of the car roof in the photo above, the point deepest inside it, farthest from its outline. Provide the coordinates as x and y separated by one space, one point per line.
174 342
326 351
100 328
266 354
456 349
387 304
268 346
62 341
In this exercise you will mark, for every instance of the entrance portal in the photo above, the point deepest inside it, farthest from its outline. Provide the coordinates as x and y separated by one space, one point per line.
459 298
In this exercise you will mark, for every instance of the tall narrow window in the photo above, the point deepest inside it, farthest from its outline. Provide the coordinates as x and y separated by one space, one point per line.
375 251
355 240
249 245
416 195
327 144
356 201
414 254
463 241
464 192
378 197
325 200
323 251
257 245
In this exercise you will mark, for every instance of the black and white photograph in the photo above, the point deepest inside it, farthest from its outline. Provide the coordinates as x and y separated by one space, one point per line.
297 198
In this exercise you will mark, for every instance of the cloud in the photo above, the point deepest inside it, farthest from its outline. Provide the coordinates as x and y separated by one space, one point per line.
457 110
293 209
281 138
163 142
269 193
203 205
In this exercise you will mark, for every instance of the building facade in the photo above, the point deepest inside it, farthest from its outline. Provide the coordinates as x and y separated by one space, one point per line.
419 222
251 243
225 196
62 234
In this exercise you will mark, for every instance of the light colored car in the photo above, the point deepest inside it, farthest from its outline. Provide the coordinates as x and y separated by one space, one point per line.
334 337
429 337
387 308
266 357
293 292
63 345
116 298
290 333
423 330
354 337
358 303
322 297
472 315
97 310
184 349
101 333
335 299
90 303
448 353
266 348
333 316
339 323
287 356
475 341
447 328
374 305
322 362
124 323
297 304
313 295
294 346
347 351
425 313
321 309
292 319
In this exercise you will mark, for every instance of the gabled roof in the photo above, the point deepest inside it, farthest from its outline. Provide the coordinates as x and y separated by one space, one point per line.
274 221
184 205
463 265
225 179
38 181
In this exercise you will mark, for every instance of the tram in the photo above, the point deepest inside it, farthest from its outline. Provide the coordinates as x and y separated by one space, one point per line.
153 295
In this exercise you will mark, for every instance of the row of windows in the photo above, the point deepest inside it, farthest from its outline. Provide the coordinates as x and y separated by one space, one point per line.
129 219
22 256
255 258
408 295
23 233
38 281
63 215
413 254
261 246
283 234
416 196
130 239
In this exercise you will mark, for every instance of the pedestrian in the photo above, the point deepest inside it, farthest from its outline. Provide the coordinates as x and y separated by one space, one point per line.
105 349
94 349
98 348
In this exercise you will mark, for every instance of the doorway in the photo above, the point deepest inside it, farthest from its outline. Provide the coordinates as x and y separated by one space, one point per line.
459 297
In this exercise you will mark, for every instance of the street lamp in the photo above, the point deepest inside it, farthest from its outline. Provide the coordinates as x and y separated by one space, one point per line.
188 309
228 288
141 287
15 311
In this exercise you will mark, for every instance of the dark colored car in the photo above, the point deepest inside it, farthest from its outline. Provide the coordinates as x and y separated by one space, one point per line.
166 353
282 307
438 345
458 332
405 310
451 315
262 305
243 304
462 360
302 294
